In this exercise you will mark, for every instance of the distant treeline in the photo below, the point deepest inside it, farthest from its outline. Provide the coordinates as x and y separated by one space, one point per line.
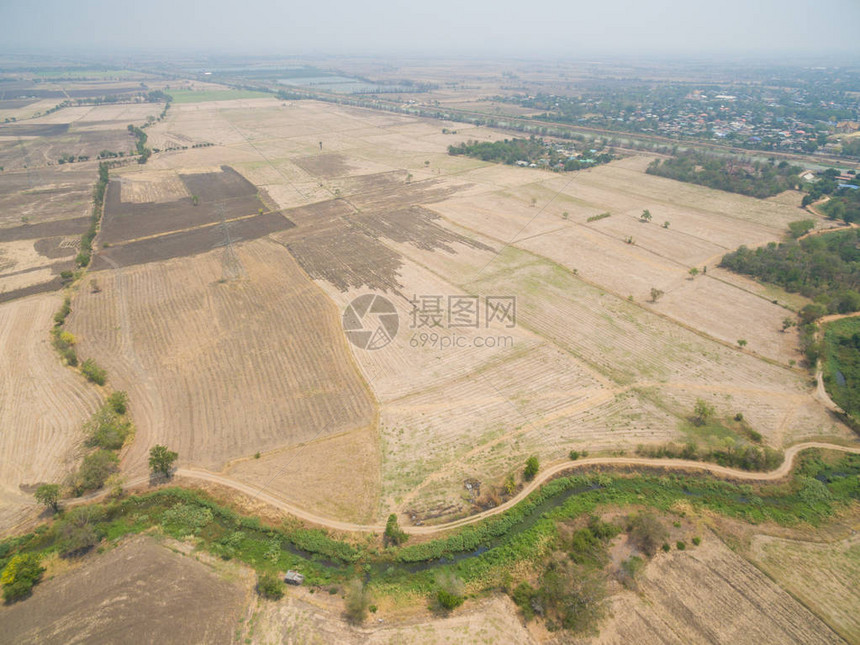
756 179
823 267
508 151
533 151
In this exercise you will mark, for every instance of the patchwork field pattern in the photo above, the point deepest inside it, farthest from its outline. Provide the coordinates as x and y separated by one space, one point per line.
380 207
223 271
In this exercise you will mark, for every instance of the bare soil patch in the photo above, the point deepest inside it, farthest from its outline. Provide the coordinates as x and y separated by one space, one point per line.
191 242
324 165
138 592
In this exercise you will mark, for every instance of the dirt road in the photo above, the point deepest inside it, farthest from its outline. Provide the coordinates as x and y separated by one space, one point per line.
542 477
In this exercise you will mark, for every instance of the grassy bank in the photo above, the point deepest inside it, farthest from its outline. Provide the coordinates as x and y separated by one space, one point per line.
841 355
479 554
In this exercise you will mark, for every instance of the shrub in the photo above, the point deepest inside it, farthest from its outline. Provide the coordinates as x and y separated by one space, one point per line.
393 533
68 338
118 401
697 541
78 531
630 568
450 593
106 429
270 586
20 575
448 601
666 547
523 596
95 470
681 546
574 455
64 311
646 532
93 372
532 468
595 218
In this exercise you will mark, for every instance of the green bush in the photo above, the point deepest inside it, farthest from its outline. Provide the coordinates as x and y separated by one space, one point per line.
106 429
79 530
523 596
270 586
20 575
532 468
393 533
93 372
697 541
681 545
118 401
95 469
447 600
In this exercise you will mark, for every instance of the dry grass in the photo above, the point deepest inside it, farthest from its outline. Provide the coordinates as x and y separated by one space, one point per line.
42 403
218 370
823 575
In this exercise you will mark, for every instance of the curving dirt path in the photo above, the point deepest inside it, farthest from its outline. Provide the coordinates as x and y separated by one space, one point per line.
542 478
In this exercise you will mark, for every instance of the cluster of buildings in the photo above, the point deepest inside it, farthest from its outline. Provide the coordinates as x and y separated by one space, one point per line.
795 120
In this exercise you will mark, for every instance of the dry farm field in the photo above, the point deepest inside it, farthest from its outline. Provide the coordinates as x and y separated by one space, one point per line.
223 271
138 592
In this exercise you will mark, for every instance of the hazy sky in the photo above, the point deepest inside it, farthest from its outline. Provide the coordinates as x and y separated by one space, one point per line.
441 27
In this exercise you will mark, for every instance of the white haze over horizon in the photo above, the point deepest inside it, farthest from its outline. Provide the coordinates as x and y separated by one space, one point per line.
443 28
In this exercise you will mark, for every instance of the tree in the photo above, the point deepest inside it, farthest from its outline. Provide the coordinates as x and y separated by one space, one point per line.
656 294
645 216
270 586
742 343
357 602
646 532
49 495
161 460
666 224
787 323
78 533
532 467
393 533
702 412
20 576
693 272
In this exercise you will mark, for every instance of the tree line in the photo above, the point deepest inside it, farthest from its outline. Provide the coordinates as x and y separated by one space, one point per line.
755 179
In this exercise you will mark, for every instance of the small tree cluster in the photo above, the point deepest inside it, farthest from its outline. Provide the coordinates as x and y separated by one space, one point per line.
270 586
161 460
532 468
393 533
